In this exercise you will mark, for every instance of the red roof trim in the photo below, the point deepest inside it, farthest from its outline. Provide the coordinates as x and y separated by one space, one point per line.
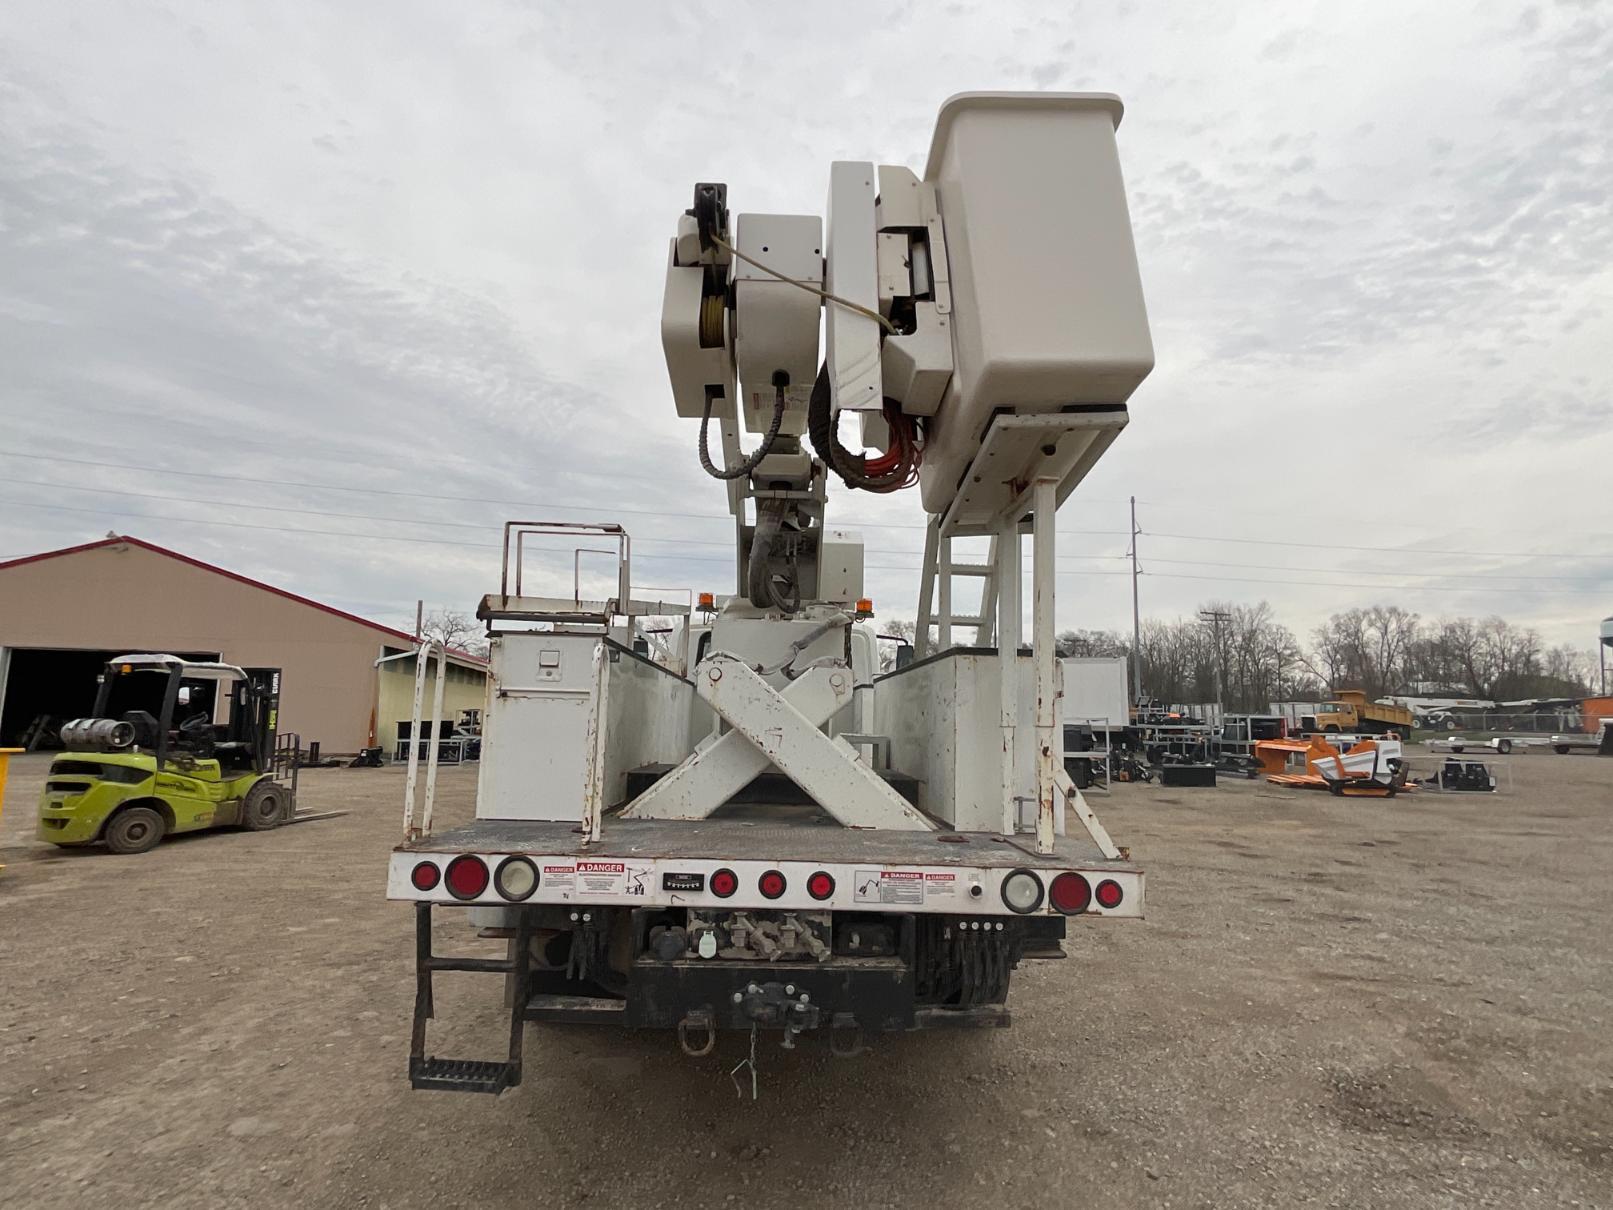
124 539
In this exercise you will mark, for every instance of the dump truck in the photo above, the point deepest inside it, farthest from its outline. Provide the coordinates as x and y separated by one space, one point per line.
761 831
1351 713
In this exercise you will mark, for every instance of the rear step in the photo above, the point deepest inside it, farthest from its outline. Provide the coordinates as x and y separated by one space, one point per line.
465 1075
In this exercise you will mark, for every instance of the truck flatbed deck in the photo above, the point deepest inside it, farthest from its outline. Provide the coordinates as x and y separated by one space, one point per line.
757 840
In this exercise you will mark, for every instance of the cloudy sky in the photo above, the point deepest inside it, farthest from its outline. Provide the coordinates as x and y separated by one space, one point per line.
324 293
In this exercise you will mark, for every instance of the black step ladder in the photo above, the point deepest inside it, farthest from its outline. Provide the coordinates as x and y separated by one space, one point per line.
466 1075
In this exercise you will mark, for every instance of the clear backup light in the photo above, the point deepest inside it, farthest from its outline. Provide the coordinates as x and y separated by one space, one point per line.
516 878
1022 892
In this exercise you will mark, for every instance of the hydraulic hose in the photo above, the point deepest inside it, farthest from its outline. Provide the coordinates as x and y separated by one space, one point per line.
762 450
897 468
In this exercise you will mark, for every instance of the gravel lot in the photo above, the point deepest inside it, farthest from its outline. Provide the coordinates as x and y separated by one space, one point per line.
1342 1002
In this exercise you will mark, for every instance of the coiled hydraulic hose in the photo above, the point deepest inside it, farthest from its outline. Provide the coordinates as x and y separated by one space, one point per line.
762 450
894 470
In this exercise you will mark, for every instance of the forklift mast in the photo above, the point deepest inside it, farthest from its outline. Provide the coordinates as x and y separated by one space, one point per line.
256 703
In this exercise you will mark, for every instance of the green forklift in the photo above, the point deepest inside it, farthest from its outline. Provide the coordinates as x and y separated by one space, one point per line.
131 774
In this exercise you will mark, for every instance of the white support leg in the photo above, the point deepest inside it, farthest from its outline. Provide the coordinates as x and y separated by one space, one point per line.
722 767
1008 627
595 738
827 769
932 548
1078 803
1045 503
943 569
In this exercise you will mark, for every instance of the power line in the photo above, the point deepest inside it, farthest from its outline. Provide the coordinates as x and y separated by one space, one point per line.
1363 571
728 561
383 491
454 542
1382 550
1444 588
479 526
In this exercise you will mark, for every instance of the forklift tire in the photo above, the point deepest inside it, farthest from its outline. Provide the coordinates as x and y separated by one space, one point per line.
135 830
263 807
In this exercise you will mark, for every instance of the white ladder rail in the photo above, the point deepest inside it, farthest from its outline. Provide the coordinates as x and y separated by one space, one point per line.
422 663
937 593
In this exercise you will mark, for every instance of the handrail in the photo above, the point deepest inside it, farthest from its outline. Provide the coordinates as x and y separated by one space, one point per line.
515 533
422 662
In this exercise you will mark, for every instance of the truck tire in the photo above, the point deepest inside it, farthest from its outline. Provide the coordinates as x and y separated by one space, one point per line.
135 830
1331 729
263 807
1503 746
1560 749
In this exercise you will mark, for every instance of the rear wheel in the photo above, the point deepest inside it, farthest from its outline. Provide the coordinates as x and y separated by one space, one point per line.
1560 749
135 830
1503 746
263 807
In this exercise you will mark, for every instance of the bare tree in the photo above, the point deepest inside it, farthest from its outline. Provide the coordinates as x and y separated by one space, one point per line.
456 630
901 629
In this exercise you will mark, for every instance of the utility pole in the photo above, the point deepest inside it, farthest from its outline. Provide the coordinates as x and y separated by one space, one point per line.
419 619
1136 615
1215 617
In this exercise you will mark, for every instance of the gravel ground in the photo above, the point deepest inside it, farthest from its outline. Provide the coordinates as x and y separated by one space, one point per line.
1335 1002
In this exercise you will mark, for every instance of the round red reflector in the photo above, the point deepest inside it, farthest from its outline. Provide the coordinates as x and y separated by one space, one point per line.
425 876
724 883
821 885
1070 894
466 877
1109 893
771 884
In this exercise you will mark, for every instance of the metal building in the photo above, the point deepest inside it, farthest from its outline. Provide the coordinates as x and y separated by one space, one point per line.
65 612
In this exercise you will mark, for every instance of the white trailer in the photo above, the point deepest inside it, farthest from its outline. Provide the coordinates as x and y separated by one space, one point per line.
1097 693
783 839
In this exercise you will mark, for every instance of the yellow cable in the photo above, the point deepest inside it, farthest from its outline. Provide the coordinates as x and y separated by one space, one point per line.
807 286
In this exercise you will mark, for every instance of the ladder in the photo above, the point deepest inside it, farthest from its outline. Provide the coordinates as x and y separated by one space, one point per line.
937 593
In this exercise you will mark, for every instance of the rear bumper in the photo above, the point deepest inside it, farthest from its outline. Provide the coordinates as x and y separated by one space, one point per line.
70 819
663 864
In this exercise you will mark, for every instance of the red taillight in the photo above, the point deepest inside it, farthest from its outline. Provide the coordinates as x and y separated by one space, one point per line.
466 877
724 883
425 876
1109 894
821 885
1070 894
771 884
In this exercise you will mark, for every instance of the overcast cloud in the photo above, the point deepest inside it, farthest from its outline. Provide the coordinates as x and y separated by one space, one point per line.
418 250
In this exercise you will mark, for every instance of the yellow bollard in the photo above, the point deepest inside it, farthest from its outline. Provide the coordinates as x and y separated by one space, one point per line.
5 761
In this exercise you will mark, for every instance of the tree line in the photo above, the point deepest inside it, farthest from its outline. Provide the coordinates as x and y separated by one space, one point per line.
1255 659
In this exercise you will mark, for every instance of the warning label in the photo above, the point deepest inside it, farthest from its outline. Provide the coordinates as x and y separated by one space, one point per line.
889 887
601 877
940 885
562 878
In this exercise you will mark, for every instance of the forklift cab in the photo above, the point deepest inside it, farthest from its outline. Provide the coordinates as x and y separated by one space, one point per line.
184 712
